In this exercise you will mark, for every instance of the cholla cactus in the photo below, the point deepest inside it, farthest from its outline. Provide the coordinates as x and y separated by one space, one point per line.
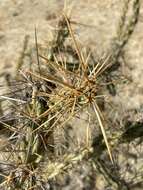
47 97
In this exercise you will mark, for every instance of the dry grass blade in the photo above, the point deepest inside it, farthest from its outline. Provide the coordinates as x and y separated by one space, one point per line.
103 131
12 99
75 43
37 51
50 78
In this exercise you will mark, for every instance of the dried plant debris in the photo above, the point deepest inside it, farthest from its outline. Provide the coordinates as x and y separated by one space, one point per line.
41 106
